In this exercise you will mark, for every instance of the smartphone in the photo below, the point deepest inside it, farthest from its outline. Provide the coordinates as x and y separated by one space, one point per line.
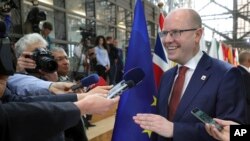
202 116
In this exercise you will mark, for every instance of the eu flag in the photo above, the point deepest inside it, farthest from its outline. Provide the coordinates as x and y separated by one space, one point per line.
138 99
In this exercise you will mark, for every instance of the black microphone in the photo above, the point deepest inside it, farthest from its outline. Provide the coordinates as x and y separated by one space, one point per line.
131 78
86 81
136 74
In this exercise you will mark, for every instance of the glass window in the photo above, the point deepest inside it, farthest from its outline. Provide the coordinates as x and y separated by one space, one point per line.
121 37
105 11
78 6
128 21
48 11
121 18
104 30
50 2
74 24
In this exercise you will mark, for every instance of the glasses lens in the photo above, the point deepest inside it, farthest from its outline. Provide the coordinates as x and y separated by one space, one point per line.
175 34
163 34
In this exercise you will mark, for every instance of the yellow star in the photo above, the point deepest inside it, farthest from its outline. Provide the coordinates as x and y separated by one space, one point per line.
149 132
154 102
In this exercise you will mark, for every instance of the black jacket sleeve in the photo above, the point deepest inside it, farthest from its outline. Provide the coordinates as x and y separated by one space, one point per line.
9 97
36 121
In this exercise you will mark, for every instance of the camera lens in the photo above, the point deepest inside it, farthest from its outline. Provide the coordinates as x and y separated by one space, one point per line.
47 64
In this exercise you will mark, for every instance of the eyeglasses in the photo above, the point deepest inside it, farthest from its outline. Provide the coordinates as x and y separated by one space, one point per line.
174 33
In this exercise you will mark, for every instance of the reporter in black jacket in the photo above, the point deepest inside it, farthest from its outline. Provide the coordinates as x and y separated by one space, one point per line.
18 121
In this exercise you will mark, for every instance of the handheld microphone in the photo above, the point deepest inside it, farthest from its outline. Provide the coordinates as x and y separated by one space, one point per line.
87 81
136 74
131 78
123 86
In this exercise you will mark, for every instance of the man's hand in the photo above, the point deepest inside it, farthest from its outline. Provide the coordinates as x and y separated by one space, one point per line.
155 123
224 134
100 89
24 62
60 87
96 104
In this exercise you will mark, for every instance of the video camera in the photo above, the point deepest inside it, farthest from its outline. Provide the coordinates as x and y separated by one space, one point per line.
7 55
34 17
7 5
44 61
87 33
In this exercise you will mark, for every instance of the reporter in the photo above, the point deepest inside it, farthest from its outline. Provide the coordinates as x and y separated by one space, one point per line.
224 134
41 121
22 84
33 47
53 117
68 97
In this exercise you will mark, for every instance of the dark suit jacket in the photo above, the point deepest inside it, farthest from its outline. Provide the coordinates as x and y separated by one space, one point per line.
76 132
19 121
8 97
246 78
219 94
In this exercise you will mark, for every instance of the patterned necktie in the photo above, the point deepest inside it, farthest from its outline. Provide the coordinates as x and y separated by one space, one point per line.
176 93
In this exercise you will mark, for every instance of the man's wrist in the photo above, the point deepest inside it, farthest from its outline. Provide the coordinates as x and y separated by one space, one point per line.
81 95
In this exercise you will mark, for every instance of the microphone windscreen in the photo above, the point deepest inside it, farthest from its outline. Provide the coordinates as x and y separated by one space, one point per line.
101 82
89 80
134 74
130 83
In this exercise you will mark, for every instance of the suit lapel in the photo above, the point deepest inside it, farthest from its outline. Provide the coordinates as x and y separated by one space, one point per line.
198 79
165 91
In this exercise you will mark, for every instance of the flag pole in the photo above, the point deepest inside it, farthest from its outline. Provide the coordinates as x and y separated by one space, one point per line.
160 5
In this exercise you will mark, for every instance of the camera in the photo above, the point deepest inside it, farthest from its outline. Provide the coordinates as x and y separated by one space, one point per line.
44 61
34 17
87 33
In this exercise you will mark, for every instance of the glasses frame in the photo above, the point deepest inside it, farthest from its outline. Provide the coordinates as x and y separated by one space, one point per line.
175 33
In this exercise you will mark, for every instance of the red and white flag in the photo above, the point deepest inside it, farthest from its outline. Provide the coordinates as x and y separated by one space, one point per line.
160 61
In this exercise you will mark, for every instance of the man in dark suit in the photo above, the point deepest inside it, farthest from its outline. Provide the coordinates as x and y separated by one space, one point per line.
244 60
209 84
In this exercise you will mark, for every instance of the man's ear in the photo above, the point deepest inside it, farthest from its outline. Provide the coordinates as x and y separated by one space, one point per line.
248 61
198 34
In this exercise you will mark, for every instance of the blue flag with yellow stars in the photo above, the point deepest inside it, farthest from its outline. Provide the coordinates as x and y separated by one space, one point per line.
139 99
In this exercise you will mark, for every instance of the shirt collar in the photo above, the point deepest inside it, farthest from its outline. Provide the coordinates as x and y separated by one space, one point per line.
193 62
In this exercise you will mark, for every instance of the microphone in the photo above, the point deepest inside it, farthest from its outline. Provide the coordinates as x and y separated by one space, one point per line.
136 74
86 81
123 86
131 78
